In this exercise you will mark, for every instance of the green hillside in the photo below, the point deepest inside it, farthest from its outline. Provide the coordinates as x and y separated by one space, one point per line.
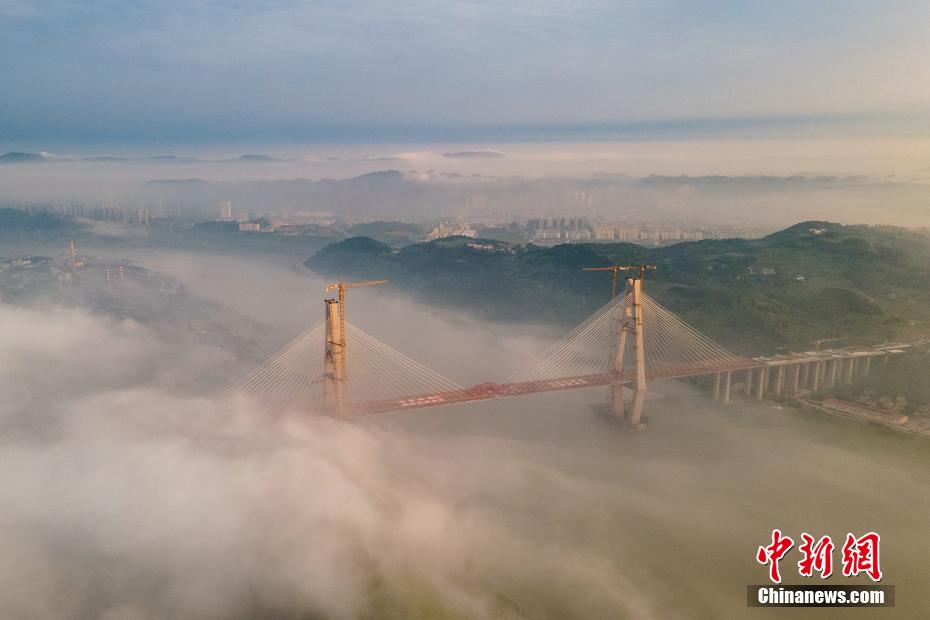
813 280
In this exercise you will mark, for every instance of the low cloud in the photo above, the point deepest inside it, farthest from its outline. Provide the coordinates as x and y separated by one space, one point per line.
129 501
127 492
485 154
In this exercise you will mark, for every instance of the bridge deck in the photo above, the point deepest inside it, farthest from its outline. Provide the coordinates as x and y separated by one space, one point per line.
491 391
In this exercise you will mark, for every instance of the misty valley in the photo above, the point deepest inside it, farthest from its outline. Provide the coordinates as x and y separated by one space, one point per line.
137 488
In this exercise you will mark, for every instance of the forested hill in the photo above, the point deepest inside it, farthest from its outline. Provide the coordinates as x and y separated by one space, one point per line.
813 280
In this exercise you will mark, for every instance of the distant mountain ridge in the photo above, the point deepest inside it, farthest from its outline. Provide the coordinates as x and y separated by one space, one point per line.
809 281
22 158
26 158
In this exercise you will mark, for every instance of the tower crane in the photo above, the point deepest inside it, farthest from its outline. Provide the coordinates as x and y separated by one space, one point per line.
342 287
636 272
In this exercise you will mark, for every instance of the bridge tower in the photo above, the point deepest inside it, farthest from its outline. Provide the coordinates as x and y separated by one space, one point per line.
639 352
615 393
334 368
631 327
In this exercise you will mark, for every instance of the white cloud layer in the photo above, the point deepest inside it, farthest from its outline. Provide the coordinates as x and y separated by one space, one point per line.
129 502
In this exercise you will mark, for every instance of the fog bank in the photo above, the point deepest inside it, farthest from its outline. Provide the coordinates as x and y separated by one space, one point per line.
762 182
121 499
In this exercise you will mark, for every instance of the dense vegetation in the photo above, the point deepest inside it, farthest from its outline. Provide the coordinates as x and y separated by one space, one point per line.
390 232
903 375
813 280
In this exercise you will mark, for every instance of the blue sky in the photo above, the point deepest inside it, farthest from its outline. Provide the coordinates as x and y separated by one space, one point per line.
224 70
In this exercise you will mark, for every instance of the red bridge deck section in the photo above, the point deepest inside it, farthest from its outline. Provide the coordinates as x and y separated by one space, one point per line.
491 391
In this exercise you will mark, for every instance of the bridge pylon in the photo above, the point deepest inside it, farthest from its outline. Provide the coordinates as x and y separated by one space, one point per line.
334 369
631 327
634 419
615 391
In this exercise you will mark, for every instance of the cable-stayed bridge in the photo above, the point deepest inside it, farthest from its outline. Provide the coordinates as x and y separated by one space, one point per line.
338 369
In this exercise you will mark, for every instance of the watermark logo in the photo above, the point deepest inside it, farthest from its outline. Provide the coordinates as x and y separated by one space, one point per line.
859 555
818 557
773 553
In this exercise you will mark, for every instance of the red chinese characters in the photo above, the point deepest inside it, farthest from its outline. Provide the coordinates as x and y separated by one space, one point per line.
817 556
860 555
773 553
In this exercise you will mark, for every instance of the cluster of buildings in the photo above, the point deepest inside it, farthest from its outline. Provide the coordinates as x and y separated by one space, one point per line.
302 222
891 404
658 234
35 274
552 231
21 274
651 233
104 212
441 231
576 229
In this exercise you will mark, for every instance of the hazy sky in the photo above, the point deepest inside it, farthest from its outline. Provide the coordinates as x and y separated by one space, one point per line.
225 70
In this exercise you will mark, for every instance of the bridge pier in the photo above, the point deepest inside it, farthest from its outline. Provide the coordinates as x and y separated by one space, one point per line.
868 365
726 387
779 380
748 387
806 375
795 376
616 401
761 384
850 370
717 386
